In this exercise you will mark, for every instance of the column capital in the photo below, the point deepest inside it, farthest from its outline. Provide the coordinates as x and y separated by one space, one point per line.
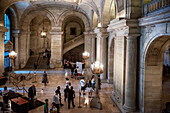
15 31
3 29
132 37
101 32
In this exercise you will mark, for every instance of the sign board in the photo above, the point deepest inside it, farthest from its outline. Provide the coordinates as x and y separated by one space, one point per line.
79 64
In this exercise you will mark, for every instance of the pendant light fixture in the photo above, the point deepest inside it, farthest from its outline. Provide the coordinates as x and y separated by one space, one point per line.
43 32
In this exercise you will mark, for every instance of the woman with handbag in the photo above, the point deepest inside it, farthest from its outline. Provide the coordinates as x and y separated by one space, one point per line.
45 78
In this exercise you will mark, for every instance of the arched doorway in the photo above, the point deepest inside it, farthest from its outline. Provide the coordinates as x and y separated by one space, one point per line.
153 95
37 43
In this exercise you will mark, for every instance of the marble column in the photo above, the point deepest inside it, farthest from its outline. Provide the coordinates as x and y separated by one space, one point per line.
110 62
93 47
15 34
56 49
23 48
130 73
102 35
87 47
2 34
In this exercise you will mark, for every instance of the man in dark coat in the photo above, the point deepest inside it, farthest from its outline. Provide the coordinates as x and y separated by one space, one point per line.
32 93
71 96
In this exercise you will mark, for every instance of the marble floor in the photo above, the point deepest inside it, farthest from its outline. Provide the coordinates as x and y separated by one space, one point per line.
57 78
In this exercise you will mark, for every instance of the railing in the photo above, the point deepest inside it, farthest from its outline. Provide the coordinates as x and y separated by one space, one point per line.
74 40
155 5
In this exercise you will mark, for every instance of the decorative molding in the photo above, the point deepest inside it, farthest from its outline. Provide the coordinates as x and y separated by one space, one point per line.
161 17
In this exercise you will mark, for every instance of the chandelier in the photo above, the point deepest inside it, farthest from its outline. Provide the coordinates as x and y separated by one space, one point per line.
43 32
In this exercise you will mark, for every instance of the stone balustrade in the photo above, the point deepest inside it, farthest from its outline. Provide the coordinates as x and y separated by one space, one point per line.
155 5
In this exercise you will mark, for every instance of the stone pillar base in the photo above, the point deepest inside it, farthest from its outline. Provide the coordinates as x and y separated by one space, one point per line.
110 81
129 109
95 103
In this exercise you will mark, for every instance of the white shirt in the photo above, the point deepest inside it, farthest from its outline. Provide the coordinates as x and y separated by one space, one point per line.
5 92
92 81
56 99
67 83
82 82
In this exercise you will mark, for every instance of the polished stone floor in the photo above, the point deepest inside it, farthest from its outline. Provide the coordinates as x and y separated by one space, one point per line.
57 78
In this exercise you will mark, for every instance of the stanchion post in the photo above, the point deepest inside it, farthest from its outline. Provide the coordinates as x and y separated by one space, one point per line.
79 99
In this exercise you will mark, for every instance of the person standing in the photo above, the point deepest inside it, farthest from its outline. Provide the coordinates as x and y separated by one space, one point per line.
56 101
58 89
32 93
72 70
83 85
65 93
71 96
93 81
45 78
46 106
67 82
35 66
5 96
53 109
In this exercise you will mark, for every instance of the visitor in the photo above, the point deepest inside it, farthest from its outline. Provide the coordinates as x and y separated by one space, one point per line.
71 96
44 55
56 101
58 89
99 82
83 85
72 70
53 108
45 78
65 93
32 94
93 81
76 72
67 82
5 96
35 66
46 106
90 89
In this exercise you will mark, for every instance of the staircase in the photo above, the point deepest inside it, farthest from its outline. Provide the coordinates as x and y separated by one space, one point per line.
31 61
42 63
73 43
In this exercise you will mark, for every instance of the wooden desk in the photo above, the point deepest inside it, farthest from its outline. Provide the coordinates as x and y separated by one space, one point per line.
19 105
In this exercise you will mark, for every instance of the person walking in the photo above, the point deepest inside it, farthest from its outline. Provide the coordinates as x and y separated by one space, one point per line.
58 89
56 101
71 96
45 78
35 65
46 106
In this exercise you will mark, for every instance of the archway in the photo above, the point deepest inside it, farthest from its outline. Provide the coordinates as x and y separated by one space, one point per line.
154 74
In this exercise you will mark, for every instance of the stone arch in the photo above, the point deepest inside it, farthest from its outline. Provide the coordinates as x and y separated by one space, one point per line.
73 13
95 20
109 4
111 60
152 71
26 20
14 18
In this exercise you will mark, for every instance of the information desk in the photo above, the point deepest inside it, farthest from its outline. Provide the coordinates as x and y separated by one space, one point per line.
19 105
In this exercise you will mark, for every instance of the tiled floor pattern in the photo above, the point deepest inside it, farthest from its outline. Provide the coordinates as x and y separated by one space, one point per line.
57 78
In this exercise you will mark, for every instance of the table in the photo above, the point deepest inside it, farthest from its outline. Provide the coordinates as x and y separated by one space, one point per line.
19 105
